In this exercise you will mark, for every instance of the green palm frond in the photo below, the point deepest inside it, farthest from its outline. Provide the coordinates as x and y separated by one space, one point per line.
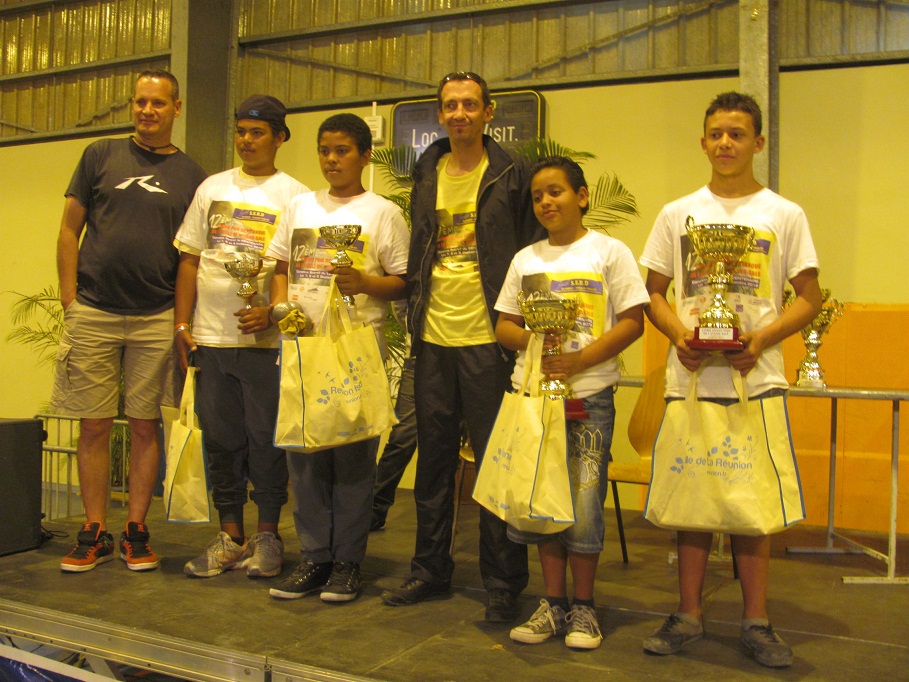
40 320
402 201
610 204
539 148
46 301
396 163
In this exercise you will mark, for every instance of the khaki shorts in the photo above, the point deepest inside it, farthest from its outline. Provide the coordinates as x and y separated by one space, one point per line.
96 346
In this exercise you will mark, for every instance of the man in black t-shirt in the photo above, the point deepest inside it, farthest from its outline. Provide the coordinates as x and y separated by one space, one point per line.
125 202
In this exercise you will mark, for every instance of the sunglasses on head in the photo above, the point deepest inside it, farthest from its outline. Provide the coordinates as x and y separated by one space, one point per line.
462 76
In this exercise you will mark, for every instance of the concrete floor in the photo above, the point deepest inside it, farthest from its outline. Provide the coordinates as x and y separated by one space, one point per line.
838 631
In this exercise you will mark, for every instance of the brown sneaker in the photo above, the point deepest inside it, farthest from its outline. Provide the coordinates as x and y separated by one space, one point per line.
93 546
134 549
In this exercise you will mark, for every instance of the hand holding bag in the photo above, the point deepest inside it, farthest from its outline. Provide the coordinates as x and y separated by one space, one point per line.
334 389
727 469
523 478
186 482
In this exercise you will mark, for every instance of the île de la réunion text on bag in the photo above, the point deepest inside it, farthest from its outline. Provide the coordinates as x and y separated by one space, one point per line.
334 389
725 468
186 496
523 478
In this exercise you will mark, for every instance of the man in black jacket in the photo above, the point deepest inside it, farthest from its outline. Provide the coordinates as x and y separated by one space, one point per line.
471 212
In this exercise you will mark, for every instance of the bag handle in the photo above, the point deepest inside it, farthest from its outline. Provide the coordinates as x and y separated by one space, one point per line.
188 399
533 361
335 315
738 381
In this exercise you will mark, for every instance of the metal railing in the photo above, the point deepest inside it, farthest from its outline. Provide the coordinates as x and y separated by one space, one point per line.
60 495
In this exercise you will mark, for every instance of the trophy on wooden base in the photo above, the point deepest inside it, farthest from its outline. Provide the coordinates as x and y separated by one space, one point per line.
720 247
548 313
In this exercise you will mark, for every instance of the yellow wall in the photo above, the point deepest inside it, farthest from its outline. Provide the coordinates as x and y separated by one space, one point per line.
842 146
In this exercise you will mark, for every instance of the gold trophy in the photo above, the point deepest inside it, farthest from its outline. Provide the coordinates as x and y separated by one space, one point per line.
811 374
244 266
720 247
547 313
339 237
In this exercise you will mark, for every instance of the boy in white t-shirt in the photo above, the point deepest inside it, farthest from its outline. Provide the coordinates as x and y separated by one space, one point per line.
783 250
236 348
333 487
600 272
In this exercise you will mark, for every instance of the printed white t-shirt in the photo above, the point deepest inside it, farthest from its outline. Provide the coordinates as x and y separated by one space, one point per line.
600 272
232 210
783 248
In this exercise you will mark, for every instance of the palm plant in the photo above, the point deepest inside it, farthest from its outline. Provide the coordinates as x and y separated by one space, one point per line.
40 326
610 201
40 322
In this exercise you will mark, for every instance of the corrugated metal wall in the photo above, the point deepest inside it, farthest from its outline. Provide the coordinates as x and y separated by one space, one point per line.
68 65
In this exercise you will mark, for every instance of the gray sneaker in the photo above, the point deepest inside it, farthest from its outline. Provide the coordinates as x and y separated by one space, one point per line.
222 554
583 628
679 629
767 647
545 622
266 556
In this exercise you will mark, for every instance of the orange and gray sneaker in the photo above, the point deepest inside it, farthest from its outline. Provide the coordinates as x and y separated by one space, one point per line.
93 546
134 549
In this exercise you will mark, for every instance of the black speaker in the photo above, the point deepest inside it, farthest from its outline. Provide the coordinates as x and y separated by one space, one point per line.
20 484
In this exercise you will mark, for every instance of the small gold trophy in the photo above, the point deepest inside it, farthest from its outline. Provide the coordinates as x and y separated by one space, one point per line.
720 247
811 374
244 266
547 313
339 237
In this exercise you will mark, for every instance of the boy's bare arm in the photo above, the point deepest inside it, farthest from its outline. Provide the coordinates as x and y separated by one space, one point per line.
663 317
804 308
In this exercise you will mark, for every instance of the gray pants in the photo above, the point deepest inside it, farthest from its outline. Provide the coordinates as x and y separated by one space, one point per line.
333 500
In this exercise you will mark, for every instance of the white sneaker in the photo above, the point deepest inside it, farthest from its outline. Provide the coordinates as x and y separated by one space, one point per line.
222 554
583 628
266 556
545 622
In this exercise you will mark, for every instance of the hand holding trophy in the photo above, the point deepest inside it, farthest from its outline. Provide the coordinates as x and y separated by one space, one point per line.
547 313
340 237
811 374
720 247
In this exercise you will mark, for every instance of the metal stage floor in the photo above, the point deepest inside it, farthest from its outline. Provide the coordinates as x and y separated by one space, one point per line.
228 628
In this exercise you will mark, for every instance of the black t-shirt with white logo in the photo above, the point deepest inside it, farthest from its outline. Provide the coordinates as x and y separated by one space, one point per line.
135 201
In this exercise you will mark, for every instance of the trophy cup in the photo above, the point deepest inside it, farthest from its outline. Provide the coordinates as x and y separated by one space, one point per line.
290 319
548 313
720 247
244 266
811 374
339 237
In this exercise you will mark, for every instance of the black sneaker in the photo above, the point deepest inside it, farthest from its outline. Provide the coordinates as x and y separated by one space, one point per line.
501 607
93 546
377 523
344 583
414 590
306 579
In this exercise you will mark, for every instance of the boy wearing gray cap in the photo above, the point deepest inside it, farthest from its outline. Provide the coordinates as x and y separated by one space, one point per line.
236 349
